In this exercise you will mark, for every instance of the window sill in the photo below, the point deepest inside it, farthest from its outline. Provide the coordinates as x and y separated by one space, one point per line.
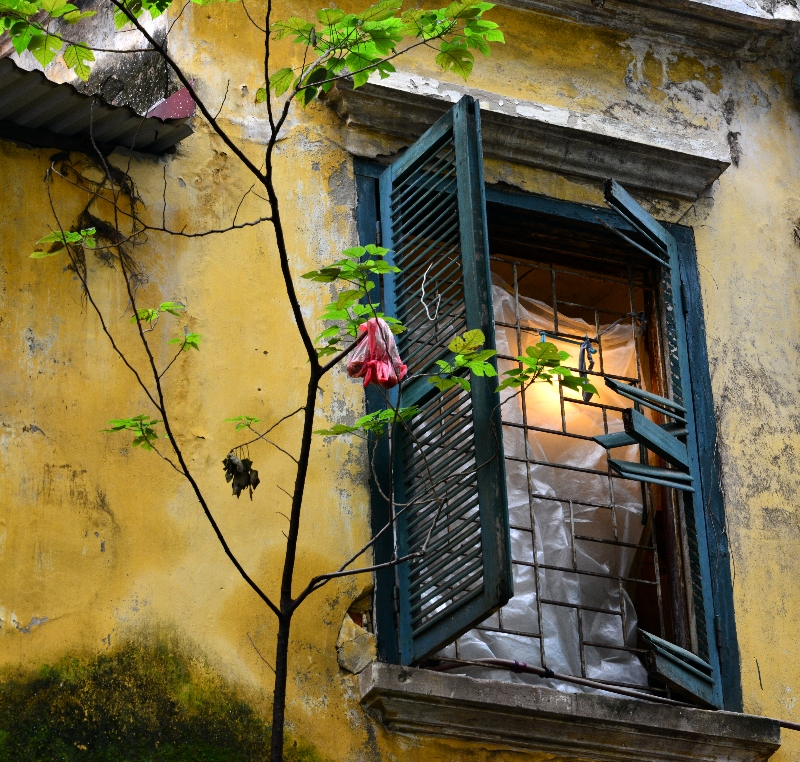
575 726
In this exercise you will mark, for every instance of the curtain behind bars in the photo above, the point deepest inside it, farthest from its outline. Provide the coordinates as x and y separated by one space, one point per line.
548 506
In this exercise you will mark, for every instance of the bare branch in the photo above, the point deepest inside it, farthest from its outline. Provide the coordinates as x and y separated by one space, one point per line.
338 358
247 13
175 21
269 441
164 457
259 653
180 351
320 581
90 298
224 98
203 233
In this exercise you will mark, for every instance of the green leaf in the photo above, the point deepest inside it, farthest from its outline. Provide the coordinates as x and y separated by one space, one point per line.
477 42
382 10
482 369
330 16
347 297
134 7
336 429
243 421
356 252
261 95
76 57
73 17
469 342
188 341
56 8
55 249
376 251
293 25
456 58
173 308
21 35
306 95
385 41
146 315
361 66
141 425
374 423
325 352
280 82
324 275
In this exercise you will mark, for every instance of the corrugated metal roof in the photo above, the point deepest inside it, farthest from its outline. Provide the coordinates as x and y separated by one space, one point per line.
39 112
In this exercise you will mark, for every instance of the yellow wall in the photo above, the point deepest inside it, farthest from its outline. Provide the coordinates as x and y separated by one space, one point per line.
106 542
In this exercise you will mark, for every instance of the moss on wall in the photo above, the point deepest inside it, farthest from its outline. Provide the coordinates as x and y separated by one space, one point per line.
150 699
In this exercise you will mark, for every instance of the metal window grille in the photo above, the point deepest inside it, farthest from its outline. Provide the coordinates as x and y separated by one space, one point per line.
651 583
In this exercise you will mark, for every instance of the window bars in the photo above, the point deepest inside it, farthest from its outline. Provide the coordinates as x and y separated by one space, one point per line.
590 550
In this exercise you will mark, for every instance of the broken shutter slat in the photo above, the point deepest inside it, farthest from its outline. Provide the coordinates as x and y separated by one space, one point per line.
621 439
655 439
433 219
641 472
627 207
662 246
662 440
679 669
648 399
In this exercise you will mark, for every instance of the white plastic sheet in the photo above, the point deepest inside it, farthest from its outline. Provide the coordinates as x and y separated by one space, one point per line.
563 495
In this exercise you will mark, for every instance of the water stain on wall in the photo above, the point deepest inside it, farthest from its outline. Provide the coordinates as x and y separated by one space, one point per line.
151 698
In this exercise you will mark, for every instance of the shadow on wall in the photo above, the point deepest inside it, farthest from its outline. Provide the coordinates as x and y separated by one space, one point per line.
148 699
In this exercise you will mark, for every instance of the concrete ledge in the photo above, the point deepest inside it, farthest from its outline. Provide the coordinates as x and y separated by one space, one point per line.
590 146
731 28
577 726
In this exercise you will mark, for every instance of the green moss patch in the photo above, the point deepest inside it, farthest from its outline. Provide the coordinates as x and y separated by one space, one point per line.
147 700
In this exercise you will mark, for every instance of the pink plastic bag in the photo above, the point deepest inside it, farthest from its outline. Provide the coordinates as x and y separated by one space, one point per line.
376 358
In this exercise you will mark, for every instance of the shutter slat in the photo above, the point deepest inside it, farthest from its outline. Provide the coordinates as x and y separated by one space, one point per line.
441 229
463 591
464 559
456 514
433 219
452 539
430 465
428 210
409 196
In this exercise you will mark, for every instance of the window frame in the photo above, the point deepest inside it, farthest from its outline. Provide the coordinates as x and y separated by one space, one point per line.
711 534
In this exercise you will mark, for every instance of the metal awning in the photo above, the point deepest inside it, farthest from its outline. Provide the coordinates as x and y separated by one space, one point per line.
38 112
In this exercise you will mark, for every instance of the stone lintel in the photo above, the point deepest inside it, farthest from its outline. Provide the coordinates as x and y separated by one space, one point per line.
575 726
589 146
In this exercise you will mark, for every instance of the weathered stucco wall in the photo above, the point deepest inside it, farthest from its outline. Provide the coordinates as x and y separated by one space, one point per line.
102 545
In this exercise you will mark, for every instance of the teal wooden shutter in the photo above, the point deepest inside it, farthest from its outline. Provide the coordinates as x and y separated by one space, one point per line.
695 674
433 219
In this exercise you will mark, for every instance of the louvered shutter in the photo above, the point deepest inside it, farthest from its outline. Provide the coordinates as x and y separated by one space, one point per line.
433 219
676 442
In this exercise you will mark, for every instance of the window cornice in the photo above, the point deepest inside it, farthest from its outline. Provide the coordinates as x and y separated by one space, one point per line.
732 28
587 146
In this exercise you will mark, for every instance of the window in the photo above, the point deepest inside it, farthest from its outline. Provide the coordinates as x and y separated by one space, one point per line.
545 543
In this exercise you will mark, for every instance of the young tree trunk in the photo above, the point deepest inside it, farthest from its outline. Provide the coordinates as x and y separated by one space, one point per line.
279 693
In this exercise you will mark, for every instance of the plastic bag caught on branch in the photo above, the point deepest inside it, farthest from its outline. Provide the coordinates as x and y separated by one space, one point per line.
376 358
